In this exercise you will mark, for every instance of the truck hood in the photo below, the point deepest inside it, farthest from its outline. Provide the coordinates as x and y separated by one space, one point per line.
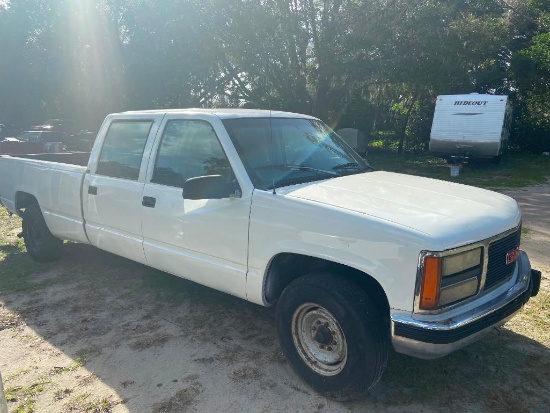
449 214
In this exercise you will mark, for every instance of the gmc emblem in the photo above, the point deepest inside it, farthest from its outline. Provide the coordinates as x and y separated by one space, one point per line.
512 256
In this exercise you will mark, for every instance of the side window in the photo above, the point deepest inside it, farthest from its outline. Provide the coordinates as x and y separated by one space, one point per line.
189 148
123 149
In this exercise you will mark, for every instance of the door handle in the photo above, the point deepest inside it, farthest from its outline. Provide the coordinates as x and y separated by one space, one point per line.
149 201
92 190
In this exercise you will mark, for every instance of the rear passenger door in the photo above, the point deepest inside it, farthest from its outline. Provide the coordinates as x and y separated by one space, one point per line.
114 184
204 240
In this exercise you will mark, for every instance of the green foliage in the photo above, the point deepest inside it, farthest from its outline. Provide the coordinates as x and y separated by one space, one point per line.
531 69
374 65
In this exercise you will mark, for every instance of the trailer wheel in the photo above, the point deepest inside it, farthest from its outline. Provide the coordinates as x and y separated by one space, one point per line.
332 334
41 245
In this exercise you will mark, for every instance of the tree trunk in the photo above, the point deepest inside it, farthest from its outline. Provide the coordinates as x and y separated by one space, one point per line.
403 133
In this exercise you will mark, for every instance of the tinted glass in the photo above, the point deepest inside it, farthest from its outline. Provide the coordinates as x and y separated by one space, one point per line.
278 151
189 148
123 149
30 136
54 137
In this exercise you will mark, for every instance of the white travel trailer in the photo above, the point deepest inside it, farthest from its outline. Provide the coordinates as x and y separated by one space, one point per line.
472 126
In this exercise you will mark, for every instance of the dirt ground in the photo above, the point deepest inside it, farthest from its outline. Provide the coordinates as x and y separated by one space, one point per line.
97 333
535 208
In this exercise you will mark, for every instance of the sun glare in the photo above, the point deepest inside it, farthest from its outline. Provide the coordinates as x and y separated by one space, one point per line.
94 42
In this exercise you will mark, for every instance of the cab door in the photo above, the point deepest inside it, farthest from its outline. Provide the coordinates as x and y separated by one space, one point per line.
113 186
204 240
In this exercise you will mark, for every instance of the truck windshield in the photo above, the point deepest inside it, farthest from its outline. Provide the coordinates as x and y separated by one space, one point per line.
287 151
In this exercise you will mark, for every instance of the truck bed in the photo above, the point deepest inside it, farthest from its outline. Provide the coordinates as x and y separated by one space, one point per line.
55 181
69 158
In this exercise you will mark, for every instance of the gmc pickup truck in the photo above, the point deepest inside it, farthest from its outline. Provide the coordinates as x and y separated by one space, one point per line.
275 208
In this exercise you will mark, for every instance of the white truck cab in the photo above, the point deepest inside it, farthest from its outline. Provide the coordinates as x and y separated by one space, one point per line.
275 208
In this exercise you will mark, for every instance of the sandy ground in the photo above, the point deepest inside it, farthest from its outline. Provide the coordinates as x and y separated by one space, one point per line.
535 208
100 334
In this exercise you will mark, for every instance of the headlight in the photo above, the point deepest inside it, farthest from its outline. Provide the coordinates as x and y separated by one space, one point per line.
455 264
449 278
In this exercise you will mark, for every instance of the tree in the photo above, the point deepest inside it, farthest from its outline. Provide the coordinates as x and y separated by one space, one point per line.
374 64
531 68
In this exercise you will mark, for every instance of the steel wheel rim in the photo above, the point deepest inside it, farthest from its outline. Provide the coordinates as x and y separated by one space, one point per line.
319 339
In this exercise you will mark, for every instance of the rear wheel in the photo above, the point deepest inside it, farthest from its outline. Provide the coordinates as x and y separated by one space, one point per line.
41 245
332 335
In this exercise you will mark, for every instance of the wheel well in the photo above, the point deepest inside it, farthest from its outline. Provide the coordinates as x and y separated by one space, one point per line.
286 267
23 200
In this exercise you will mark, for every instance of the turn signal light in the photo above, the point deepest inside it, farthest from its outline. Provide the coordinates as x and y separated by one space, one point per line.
431 279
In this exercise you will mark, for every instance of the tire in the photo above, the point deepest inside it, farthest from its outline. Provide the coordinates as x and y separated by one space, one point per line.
333 335
41 245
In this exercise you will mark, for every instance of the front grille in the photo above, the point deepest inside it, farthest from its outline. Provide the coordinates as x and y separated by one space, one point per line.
497 270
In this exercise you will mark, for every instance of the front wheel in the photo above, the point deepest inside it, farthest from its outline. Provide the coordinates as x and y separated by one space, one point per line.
41 245
332 334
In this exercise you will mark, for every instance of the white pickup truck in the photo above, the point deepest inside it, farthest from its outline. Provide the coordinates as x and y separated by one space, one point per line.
276 209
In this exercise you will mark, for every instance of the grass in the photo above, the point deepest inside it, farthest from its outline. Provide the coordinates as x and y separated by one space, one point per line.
82 357
83 403
26 396
515 170
8 319
78 403
534 319
60 394
148 342
17 266
181 401
18 374
526 232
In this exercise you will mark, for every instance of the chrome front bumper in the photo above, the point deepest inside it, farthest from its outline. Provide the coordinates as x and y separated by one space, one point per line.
442 334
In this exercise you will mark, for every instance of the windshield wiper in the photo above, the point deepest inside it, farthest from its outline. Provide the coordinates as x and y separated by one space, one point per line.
310 168
353 165
292 181
299 168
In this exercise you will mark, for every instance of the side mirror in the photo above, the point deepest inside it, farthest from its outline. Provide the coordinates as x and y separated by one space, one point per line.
210 187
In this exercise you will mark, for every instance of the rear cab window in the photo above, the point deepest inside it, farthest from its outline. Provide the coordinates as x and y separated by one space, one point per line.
123 148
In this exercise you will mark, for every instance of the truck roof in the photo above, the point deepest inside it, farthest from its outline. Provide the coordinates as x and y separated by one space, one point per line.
223 113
